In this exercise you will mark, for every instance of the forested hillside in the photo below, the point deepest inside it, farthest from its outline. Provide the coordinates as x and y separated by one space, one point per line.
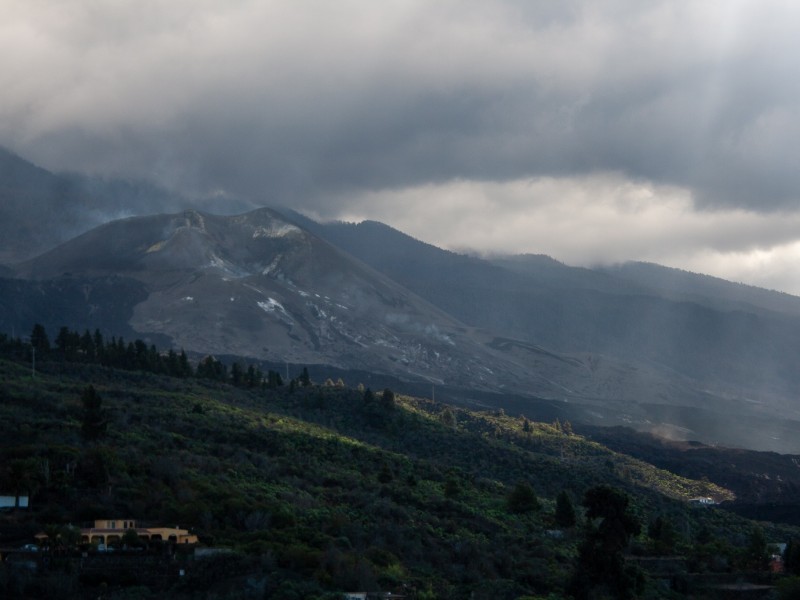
325 487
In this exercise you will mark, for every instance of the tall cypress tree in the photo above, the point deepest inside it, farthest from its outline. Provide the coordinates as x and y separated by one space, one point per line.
185 366
304 378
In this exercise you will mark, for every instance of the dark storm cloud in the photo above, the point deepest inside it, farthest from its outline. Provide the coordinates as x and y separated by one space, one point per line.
591 131
295 100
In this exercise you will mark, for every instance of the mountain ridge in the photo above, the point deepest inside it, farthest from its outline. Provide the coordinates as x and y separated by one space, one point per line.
256 285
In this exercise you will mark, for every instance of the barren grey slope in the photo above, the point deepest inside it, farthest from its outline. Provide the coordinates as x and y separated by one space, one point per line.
257 285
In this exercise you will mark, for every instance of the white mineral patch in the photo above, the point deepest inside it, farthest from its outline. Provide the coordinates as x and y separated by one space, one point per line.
275 230
188 298
434 332
271 305
271 266
216 261
194 220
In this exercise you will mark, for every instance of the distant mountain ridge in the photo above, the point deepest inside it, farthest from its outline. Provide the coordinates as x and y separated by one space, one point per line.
686 285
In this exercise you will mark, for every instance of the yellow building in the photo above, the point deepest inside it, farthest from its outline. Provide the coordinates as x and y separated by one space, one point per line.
111 531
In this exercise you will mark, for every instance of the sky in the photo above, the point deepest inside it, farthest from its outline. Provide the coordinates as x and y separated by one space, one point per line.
594 131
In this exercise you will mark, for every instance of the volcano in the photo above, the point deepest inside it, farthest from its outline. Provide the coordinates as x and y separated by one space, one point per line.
258 285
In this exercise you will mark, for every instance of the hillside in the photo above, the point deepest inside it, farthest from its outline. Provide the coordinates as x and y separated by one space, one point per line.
722 335
701 356
368 298
325 487
256 285
765 483
678 354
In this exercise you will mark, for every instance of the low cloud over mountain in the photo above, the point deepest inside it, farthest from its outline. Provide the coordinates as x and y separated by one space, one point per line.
632 130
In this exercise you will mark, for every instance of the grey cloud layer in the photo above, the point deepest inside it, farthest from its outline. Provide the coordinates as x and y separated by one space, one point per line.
298 102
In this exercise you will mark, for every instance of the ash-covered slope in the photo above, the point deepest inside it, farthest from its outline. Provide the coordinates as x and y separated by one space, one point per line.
257 285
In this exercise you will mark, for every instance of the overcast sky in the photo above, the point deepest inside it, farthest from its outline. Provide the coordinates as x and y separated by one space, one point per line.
589 130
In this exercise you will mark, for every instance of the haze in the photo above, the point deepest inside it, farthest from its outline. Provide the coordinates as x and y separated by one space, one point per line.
590 131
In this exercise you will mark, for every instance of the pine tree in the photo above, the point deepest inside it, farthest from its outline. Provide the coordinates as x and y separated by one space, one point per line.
526 425
88 348
99 345
565 511
601 566
93 425
448 418
173 368
522 499
663 536
274 379
385 475
185 368
388 399
211 368
791 557
237 374
451 488
39 339
253 377
63 343
756 553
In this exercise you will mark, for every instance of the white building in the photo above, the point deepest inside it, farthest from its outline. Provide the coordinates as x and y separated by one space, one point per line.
11 501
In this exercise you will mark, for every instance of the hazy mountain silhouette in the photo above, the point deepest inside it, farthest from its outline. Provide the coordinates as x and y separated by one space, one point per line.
39 209
704 289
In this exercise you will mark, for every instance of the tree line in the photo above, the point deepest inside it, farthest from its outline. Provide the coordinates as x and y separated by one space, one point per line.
94 348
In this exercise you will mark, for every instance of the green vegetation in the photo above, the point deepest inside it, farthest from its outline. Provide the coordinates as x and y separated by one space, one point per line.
601 563
320 489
